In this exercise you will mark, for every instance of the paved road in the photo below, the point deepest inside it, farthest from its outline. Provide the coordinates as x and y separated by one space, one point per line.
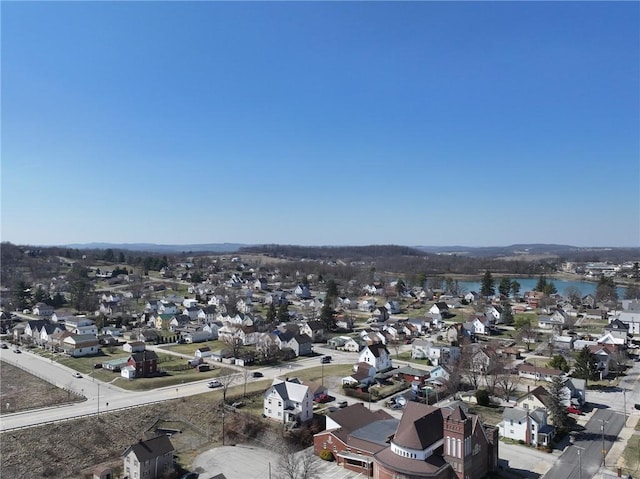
583 459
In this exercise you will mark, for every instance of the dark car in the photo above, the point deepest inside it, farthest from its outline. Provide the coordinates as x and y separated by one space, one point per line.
257 374
325 359
343 404
4 346
17 351
190 475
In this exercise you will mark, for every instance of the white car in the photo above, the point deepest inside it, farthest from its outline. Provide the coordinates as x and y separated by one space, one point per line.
214 384
77 375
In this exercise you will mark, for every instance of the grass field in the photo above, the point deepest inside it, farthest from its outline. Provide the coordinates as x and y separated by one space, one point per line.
21 391
85 366
190 349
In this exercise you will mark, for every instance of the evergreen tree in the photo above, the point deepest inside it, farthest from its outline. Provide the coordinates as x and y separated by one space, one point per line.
326 315
632 291
332 290
283 311
487 287
606 290
586 365
549 288
515 288
556 406
559 362
507 313
271 313
504 288
541 285
40 296
22 295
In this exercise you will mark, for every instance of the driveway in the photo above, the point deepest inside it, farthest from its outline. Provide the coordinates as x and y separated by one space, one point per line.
251 462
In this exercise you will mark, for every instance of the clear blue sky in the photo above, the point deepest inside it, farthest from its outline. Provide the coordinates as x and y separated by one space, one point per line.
321 123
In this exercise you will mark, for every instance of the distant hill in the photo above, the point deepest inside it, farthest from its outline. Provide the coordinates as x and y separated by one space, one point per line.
163 248
576 253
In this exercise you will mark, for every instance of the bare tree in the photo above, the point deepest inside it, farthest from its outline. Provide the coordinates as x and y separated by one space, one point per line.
226 381
297 465
507 383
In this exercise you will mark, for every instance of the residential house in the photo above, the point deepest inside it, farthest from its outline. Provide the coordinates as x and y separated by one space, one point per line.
528 426
43 310
196 336
575 392
152 306
535 398
302 291
458 334
288 401
367 305
438 443
376 355
47 331
33 327
531 371
81 325
393 307
618 329
354 434
603 358
203 352
206 314
189 303
212 328
149 336
191 312
260 284
364 374
178 322
563 343
479 325
162 321
337 342
495 312
134 346
77 345
144 362
313 329
167 307
440 308
301 344
472 296
150 459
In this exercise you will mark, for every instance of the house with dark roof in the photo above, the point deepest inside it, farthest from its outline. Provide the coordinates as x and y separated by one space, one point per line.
438 443
377 355
618 329
144 362
354 434
151 459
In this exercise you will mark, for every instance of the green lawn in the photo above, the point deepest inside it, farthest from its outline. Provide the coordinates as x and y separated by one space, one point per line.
190 349
631 454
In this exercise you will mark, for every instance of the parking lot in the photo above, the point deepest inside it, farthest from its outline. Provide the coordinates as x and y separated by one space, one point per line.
251 462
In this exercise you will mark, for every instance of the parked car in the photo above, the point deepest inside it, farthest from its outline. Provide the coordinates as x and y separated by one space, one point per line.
190 475
637 406
325 359
77 375
214 384
323 398
343 404
237 404
574 410
4 346
17 351
257 374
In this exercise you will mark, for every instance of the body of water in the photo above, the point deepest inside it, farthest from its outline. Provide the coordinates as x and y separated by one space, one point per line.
527 284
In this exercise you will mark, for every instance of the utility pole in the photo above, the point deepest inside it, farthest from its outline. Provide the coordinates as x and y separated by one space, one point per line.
604 451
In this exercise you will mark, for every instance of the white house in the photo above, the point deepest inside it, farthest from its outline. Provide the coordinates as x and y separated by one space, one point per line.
288 401
167 307
377 355
189 302
529 426
78 345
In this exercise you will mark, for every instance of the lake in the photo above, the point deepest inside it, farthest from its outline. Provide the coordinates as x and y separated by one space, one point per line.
527 284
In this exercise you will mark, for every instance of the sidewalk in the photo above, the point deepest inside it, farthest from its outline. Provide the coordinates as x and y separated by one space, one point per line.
614 456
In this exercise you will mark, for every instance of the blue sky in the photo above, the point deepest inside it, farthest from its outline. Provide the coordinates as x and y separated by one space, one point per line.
321 123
